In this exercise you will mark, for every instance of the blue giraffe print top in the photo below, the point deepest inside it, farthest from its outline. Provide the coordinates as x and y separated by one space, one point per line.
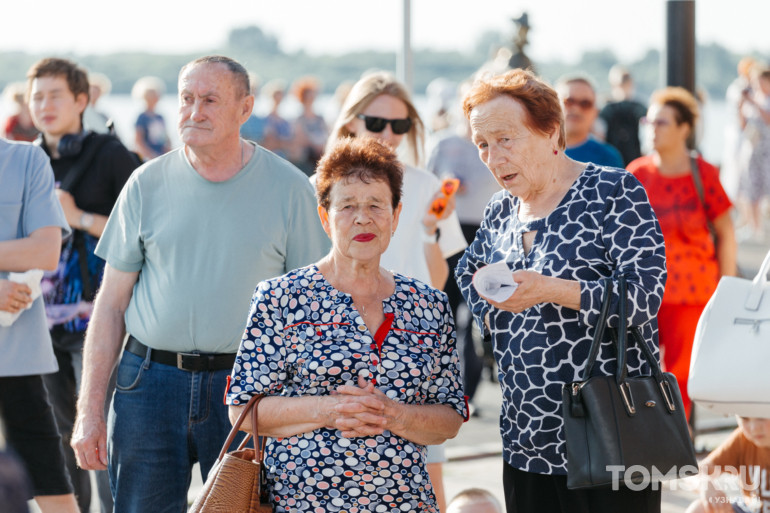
604 226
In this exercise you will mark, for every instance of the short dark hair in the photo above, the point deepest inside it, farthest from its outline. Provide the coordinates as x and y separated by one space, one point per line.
235 67
76 77
364 158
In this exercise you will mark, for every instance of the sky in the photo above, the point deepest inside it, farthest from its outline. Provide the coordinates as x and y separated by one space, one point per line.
560 29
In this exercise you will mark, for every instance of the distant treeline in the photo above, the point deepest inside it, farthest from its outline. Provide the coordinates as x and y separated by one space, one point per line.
261 53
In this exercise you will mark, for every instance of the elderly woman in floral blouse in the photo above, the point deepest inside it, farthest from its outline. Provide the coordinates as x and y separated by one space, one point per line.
358 363
561 227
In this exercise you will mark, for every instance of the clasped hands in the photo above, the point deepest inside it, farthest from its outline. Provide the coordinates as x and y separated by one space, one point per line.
363 410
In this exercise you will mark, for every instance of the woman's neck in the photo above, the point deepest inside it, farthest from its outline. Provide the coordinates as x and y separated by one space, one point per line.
349 275
672 162
541 203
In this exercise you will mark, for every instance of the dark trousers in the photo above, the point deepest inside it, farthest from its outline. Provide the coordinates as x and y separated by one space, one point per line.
30 430
527 492
63 387
471 355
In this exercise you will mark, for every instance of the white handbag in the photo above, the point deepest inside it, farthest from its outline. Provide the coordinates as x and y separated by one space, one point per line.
730 366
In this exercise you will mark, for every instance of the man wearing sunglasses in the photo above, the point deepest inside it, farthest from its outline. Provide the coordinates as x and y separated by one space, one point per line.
578 98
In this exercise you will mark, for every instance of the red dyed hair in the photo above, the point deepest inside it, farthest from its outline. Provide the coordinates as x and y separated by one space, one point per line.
540 100
363 158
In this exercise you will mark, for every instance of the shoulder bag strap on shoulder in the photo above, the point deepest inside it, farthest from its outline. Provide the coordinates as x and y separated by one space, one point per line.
696 178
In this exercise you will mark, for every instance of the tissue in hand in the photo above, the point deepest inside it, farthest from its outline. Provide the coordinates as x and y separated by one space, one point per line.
495 282
32 280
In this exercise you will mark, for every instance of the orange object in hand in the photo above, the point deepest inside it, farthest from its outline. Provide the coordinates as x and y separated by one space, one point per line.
438 206
448 187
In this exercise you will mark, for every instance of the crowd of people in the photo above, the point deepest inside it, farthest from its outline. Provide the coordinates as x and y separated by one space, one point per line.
329 265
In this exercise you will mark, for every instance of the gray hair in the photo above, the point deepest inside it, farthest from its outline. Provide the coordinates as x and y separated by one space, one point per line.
235 67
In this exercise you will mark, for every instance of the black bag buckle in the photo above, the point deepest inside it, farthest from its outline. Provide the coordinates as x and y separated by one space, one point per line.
628 400
668 395
576 401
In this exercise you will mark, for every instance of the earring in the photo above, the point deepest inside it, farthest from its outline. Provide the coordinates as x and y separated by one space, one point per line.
555 152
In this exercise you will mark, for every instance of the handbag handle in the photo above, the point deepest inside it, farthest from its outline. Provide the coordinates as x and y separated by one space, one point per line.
251 407
621 337
601 323
758 284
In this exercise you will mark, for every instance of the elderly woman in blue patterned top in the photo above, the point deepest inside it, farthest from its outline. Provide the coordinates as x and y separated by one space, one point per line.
561 226
358 363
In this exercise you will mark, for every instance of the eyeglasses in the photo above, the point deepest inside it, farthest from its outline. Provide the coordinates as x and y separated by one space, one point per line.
377 125
657 123
583 104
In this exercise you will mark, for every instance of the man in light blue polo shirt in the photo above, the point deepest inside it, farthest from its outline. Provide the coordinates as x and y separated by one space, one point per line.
32 224
192 234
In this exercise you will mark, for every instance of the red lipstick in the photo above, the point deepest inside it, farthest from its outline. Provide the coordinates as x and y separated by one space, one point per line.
364 237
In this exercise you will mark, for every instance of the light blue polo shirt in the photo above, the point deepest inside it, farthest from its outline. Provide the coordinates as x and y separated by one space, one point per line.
202 247
27 203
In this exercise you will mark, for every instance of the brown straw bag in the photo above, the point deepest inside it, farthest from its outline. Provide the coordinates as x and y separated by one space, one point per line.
236 483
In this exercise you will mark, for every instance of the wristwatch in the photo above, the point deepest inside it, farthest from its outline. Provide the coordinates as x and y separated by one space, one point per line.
86 221
429 238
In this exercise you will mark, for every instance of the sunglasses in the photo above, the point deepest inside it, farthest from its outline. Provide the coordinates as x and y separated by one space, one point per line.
583 104
655 122
377 125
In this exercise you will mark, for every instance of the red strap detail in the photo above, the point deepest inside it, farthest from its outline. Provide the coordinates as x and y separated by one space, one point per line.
467 409
227 389
383 330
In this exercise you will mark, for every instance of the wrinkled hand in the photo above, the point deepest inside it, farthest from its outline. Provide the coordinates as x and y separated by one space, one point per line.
89 440
528 292
363 410
71 211
14 297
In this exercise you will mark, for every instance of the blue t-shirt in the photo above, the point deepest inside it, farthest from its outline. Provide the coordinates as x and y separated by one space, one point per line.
254 128
601 154
27 203
153 129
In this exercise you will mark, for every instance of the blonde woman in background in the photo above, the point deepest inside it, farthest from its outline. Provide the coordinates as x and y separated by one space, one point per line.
379 106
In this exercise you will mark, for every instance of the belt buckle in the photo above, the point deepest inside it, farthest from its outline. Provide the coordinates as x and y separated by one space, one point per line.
184 361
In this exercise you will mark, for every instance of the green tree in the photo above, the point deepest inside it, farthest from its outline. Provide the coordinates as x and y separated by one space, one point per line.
253 39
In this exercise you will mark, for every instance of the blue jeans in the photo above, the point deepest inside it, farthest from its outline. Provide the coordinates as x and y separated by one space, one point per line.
161 422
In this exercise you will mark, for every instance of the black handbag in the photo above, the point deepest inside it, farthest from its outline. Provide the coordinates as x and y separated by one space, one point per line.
620 429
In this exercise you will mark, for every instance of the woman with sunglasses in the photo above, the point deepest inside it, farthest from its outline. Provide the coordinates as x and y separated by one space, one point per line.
379 106
694 214
562 228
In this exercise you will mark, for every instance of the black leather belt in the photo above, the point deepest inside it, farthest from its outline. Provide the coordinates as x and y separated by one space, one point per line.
183 361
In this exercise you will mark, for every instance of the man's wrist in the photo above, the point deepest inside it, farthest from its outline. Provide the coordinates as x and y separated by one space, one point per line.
86 221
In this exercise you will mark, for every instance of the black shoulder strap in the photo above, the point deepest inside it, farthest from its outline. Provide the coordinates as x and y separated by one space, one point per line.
84 161
696 178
